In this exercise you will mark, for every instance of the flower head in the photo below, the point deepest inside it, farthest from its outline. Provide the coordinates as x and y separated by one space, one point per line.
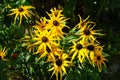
44 39
3 53
56 12
99 59
55 51
84 23
59 65
57 22
27 41
91 49
78 49
42 24
51 53
21 11
87 34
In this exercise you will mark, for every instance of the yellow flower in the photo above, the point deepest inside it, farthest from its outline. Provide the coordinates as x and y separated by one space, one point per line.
99 60
21 11
56 20
58 34
53 52
87 34
91 49
27 41
44 39
59 64
49 52
42 24
3 53
57 23
78 49
56 12
84 23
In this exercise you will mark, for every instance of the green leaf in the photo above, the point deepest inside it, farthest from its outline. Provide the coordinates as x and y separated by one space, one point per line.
22 1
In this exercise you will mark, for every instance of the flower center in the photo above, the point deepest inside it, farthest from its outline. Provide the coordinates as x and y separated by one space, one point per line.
79 46
58 62
48 49
55 23
98 58
90 47
21 9
87 32
44 39
82 24
42 26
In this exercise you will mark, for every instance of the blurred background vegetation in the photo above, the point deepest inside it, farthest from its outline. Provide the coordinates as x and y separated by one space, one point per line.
106 14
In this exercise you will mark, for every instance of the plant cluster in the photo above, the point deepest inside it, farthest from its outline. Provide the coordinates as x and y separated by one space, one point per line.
44 51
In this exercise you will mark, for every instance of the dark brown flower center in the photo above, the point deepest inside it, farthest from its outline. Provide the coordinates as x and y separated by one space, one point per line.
44 39
98 58
87 32
55 23
48 49
42 26
90 48
82 24
79 46
21 9
58 62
